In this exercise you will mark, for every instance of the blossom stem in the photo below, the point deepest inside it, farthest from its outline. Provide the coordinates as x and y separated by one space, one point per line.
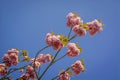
69 32
61 73
36 57
40 51
72 37
13 70
51 63
53 60
60 58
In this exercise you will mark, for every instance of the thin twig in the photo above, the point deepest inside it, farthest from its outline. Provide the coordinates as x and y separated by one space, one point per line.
49 64
60 58
60 73
69 32
72 37
13 70
35 59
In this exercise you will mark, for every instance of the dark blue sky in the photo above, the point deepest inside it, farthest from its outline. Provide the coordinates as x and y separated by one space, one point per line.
24 24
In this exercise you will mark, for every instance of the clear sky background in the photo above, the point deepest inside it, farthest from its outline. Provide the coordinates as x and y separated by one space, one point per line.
24 24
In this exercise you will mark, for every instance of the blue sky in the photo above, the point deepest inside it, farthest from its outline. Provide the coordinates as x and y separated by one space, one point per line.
24 24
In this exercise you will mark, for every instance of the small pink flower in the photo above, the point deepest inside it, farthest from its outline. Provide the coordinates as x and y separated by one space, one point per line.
7 60
80 31
8 63
36 64
3 70
14 58
64 76
11 57
49 39
2 67
57 44
54 41
29 69
94 27
30 72
73 20
13 51
77 67
25 77
43 58
6 57
48 57
72 50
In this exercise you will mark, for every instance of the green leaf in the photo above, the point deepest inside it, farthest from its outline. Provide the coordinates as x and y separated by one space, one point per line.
26 58
99 20
68 69
52 33
79 47
24 53
20 78
18 59
51 56
82 61
18 49
85 26
70 73
103 24
75 14
64 39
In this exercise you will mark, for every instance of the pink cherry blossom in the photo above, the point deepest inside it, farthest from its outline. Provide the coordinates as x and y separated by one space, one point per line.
48 57
25 76
49 39
72 50
7 60
94 27
30 72
36 64
13 51
11 57
73 20
77 67
43 58
63 76
3 70
80 31
29 69
54 41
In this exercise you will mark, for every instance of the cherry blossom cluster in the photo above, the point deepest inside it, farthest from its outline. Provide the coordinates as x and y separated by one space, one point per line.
43 58
75 22
77 67
63 75
94 27
73 50
54 41
57 42
11 57
73 19
3 69
29 74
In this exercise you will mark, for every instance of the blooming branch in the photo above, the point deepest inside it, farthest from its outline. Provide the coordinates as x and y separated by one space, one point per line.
57 42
